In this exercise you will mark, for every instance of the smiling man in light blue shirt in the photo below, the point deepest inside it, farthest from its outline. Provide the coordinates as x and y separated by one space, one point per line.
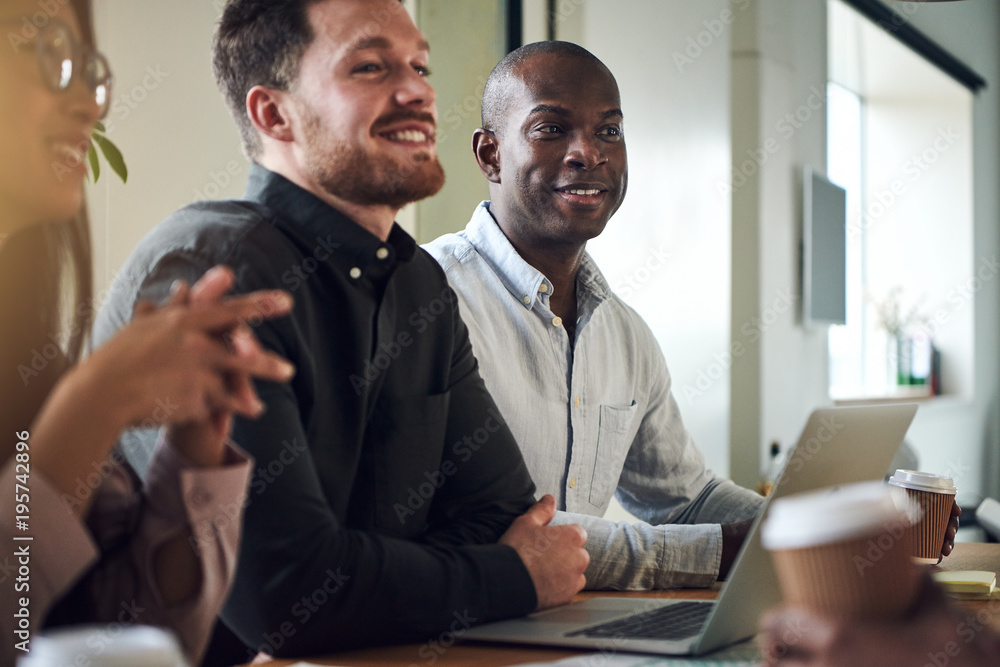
577 374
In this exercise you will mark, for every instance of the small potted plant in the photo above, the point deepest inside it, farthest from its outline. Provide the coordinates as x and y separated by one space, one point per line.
900 326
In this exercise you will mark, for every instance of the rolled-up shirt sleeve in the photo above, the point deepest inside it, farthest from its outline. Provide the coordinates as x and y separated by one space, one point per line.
101 569
206 503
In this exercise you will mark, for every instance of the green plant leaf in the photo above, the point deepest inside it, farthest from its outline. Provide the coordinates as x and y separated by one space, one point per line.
95 165
113 156
99 126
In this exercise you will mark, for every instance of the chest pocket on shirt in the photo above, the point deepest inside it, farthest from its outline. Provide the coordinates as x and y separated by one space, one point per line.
409 438
612 447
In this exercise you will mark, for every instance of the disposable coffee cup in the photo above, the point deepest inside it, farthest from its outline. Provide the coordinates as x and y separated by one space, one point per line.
108 645
935 494
845 551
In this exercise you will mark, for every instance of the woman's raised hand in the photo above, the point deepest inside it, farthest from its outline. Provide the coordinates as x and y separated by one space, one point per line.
192 357
203 441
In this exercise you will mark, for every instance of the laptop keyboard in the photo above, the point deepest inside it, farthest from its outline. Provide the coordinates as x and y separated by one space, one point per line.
671 622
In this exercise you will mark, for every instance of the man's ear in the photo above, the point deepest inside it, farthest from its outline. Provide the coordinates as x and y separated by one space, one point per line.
487 151
267 111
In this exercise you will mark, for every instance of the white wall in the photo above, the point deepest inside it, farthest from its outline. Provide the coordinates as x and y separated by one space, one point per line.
467 39
779 122
167 117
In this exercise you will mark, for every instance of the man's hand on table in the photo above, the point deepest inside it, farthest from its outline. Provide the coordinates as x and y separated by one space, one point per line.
554 555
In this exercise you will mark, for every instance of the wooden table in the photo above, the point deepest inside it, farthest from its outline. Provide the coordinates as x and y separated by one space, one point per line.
977 556
967 556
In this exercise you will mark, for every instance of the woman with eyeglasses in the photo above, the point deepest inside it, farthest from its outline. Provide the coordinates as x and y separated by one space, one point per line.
78 541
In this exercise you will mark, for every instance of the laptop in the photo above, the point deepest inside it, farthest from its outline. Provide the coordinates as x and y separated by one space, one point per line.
837 446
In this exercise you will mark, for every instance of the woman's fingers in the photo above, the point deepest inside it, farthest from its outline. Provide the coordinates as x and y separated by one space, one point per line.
213 285
232 363
244 345
223 316
200 393
210 289
264 365
199 346
179 293
231 403
143 308
222 423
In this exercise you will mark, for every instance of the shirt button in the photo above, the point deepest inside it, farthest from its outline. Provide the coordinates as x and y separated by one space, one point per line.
572 482
543 288
527 299
355 273
556 321
382 253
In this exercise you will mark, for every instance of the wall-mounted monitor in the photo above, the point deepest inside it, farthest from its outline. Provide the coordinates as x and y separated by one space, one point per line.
824 250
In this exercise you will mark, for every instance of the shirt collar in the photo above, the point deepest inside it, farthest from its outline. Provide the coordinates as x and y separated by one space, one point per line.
316 219
590 280
523 281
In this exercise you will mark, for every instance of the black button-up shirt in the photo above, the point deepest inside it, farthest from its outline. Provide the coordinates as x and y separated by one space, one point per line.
384 472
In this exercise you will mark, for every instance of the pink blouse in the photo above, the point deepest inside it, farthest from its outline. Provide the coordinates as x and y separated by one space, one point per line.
108 558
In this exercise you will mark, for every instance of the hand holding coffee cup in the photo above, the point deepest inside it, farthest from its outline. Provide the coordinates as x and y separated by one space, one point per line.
845 551
936 496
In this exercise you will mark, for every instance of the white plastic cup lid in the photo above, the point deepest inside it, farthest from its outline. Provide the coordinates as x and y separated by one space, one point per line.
104 646
923 481
834 514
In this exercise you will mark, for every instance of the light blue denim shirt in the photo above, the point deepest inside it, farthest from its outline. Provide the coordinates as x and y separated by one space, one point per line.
595 418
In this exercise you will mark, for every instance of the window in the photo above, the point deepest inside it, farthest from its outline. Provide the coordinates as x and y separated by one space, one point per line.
900 143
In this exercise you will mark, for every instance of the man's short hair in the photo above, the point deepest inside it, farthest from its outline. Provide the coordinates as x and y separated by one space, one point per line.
258 43
496 94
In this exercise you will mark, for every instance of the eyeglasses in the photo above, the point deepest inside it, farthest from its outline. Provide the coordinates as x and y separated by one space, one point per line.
62 58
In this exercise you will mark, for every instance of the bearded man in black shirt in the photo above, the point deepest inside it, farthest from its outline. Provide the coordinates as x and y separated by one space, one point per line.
390 501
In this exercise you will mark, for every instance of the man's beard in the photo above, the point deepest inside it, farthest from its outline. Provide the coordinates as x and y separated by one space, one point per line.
368 179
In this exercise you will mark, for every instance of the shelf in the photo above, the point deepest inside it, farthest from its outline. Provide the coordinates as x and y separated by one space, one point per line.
902 394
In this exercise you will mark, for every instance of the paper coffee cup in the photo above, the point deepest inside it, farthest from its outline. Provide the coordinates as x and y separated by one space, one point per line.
844 551
104 646
935 494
